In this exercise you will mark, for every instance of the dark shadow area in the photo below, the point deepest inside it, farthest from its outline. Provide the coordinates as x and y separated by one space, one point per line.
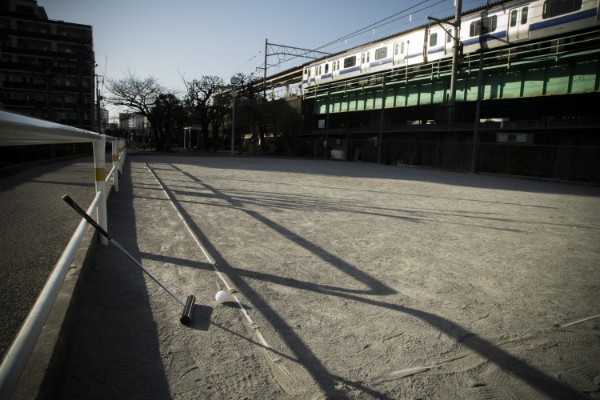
373 285
34 172
116 352
302 353
35 229
201 315
379 171
529 374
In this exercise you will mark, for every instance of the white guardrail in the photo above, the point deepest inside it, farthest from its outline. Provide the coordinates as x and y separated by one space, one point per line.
17 130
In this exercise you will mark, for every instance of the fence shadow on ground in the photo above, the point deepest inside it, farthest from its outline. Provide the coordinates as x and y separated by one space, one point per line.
327 381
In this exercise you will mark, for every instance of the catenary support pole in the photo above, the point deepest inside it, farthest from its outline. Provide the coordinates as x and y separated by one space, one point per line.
455 60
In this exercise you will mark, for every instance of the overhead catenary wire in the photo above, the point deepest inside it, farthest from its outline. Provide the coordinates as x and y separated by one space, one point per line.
409 12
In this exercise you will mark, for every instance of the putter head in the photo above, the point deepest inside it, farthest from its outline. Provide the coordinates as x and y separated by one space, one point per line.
186 315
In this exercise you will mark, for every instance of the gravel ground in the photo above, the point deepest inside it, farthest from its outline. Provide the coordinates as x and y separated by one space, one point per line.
349 280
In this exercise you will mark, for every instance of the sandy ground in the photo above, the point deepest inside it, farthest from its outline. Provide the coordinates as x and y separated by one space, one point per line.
351 280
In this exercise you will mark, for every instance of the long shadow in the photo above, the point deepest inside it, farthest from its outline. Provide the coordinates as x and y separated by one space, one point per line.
415 216
116 353
377 171
374 286
504 360
302 353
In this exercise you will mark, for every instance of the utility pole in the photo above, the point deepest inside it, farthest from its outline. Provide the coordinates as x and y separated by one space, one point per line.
455 59
98 105
265 70
272 49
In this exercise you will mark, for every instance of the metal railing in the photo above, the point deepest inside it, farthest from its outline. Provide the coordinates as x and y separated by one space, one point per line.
552 49
17 130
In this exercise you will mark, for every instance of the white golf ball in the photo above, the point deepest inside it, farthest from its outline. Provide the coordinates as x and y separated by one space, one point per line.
222 296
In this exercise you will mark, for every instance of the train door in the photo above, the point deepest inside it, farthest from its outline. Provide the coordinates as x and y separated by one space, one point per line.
365 60
399 53
518 24
448 50
335 73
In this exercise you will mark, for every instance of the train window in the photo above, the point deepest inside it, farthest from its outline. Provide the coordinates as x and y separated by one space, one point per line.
449 35
524 15
483 26
326 68
553 8
349 62
381 53
433 39
513 18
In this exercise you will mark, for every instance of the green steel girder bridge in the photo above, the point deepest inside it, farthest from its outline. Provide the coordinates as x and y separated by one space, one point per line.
530 109
564 66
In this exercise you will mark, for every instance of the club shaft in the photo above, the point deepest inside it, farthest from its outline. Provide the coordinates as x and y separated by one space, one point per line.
136 262
91 221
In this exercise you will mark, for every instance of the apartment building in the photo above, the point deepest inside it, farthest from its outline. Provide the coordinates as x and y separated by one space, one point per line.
47 67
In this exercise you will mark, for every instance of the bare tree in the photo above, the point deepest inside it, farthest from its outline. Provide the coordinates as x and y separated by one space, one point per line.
200 101
253 111
139 95
168 116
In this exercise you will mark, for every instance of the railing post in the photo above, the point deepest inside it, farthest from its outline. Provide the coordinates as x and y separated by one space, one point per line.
100 176
115 163
121 155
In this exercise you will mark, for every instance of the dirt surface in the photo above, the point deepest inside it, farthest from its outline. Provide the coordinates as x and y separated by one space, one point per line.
350 280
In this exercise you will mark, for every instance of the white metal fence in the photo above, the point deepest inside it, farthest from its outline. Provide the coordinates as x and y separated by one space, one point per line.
17 130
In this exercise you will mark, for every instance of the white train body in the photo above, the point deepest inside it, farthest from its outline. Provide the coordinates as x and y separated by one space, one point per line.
502 24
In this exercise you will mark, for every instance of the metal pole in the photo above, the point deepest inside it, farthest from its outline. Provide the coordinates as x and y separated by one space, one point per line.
455 55
381 123
100 177
265 71
477 112
232 124
115 162
121 154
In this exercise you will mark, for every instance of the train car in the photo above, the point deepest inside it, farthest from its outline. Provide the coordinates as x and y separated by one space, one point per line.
502 24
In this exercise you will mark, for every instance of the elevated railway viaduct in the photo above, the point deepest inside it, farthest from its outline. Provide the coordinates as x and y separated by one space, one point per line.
529 109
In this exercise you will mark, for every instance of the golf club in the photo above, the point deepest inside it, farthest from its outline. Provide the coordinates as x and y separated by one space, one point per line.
186 315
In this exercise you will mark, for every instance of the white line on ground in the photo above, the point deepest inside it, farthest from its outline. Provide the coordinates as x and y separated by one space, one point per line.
211 260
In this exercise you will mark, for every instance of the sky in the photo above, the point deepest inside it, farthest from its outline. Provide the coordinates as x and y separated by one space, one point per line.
179 40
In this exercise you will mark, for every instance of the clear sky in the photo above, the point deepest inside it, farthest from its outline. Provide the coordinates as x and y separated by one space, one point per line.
191 38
